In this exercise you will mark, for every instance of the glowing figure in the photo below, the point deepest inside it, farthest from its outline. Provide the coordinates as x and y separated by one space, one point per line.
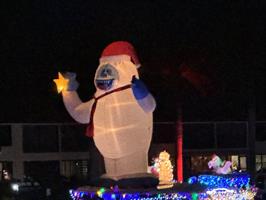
165 171
219 166
120 114
61 83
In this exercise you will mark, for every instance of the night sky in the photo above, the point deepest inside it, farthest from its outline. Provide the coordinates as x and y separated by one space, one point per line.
223 41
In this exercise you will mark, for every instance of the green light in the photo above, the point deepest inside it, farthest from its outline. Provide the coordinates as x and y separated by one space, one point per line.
194 196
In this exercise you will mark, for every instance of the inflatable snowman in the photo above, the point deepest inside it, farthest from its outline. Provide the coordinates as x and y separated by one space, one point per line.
119 115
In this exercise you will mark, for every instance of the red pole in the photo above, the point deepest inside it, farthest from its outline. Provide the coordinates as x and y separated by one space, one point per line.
179 160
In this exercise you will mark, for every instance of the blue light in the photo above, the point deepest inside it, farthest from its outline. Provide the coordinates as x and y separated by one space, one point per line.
237 180
236 183
192 180
132 196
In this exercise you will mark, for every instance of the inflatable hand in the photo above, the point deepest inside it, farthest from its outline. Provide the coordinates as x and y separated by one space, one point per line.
140 90
142 95
72 82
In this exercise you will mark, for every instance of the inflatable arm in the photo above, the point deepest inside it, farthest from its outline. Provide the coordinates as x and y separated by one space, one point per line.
142 95
78 110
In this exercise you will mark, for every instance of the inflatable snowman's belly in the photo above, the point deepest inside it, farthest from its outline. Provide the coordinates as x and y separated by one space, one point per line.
121 127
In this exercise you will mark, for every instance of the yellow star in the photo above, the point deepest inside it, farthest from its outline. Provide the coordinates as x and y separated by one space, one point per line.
61 83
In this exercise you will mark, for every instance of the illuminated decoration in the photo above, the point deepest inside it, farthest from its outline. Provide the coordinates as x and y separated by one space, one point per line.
119 115
228 187
61 83
232 194
165 171
145 195
219 166
100 192
205 187
179 161
154 169
192 180
209 194
236 180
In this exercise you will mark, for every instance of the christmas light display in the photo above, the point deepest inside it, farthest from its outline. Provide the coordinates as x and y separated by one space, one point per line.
237 180
79 195
209 194
231 194
119 118
120 114
165 171
219 166
154 169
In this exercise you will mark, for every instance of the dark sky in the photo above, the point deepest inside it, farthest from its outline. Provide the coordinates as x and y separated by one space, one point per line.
224 41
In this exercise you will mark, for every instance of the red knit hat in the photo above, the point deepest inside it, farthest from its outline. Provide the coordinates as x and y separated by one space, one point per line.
121 48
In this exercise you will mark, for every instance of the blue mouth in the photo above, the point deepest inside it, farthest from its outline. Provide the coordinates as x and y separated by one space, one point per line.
104 84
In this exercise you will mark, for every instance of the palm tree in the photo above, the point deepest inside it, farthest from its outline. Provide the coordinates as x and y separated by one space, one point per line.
177 83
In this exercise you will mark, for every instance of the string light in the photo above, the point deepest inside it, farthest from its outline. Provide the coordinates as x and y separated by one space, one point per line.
219 187
78 195
237 180
209 194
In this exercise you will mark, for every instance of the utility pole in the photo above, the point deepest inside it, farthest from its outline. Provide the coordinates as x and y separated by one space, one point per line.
251 159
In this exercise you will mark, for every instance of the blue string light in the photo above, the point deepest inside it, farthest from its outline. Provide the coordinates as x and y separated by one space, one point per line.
237 180
78 195
236 184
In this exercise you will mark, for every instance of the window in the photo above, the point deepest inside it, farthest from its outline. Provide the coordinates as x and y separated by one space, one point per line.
235 162
260 132
77 168
164 133
44 171
264 161
5 135
231 135
74 139
260 162
5 170
243 163
199 164
40 139
198 136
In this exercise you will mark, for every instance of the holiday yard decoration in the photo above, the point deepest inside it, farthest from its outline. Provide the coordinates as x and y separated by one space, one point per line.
120 113
219 166
119 118
165 171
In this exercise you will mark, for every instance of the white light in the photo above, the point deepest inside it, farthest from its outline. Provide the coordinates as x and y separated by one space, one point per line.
15 187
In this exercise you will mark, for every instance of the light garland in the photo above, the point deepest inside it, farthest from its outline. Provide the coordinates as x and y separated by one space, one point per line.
237 180
209 194
219 187
80 195
232 194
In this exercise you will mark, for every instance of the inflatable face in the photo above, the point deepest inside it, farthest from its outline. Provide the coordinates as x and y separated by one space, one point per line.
106 77
114 72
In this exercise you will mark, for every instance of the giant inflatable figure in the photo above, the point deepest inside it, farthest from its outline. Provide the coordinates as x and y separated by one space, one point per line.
120 113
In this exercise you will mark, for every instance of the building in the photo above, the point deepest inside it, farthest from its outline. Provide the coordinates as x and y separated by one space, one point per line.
228 139
28 148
